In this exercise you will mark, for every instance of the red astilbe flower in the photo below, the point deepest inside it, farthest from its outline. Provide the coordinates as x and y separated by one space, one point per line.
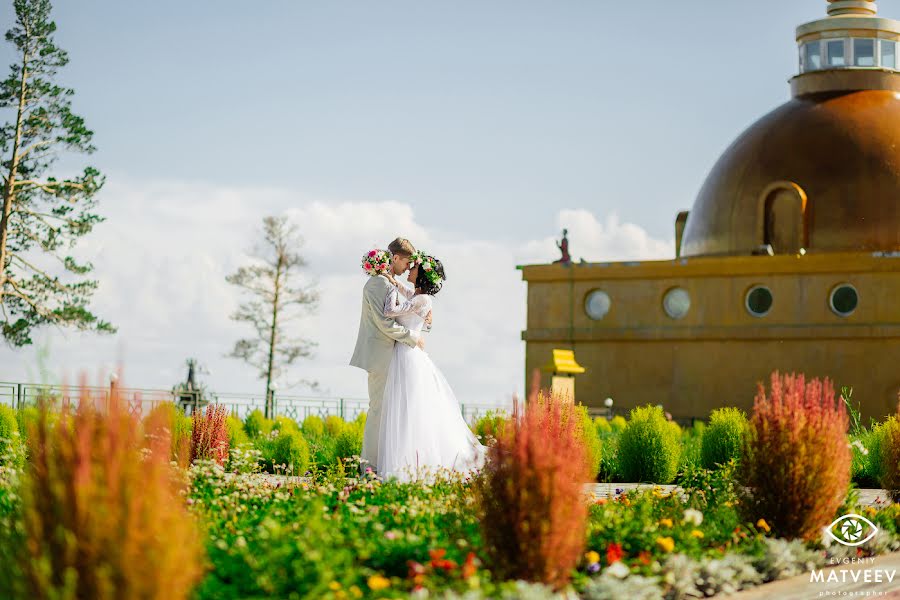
209 437
102 512
533 513
797 461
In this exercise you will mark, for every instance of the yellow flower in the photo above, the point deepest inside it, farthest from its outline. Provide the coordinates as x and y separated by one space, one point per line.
592 557
378 582
763 525
357 593
666 544
334 586
665 522
870 511
728 503
697 534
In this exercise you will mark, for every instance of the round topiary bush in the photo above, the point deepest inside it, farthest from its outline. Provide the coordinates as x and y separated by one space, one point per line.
618 423
348 442
313 427
649 447
257 425
283 423
334 424
236 433
723 439
287 452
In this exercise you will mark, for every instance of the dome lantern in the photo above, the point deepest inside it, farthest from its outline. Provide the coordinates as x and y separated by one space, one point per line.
850 49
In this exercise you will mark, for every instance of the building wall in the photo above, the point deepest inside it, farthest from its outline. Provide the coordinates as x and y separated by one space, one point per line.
714 356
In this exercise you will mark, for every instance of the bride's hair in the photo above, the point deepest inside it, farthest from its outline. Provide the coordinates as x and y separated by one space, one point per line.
425 284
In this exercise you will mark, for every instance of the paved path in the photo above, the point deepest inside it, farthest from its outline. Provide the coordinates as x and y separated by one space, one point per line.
869 497
801 588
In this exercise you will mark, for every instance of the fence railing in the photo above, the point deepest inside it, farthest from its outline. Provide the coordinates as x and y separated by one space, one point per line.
141 401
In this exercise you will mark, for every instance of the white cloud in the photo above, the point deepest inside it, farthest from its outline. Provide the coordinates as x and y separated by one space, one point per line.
163 254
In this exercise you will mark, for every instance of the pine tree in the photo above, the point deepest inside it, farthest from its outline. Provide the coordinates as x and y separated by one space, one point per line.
43 216
275 302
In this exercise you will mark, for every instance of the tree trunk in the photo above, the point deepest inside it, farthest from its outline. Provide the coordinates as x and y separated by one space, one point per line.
8 191
270 404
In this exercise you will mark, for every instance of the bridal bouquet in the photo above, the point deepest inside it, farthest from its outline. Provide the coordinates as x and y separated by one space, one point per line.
376 262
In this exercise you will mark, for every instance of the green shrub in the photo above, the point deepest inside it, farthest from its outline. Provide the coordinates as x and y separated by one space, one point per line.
348 442
890 457
588 434
601 424
257 425
618 423
313 427
236 434
334 424
724 438
691 442
649 447
283 423
867 462
488 425
12 448
289 449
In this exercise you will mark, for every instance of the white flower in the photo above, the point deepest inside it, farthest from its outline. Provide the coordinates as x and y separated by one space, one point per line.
860 447
692 515
618 569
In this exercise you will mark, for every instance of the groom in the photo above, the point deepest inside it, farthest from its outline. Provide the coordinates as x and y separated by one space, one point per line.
375 342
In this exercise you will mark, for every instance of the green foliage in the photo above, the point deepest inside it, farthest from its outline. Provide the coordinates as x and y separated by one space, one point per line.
618 423
257 425
723 439
602 425
867 456
333 424
890 456
649 447
488 425
587 431
12 449
348 442
236 434
283 423
313 427
285 452
42 214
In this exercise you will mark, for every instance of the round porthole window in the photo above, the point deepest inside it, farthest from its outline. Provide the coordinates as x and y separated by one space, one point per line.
677 302
597 304
843 299
759 301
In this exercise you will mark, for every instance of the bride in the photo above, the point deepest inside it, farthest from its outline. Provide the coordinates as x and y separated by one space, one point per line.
422 427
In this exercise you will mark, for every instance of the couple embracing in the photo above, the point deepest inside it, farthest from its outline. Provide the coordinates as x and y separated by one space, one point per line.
414 422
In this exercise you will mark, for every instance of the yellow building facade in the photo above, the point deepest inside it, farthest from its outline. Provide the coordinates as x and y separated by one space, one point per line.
789 258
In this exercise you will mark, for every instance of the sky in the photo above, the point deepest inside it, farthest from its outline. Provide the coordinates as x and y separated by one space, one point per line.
476 129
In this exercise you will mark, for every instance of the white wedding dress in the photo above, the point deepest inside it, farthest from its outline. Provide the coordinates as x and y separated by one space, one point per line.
422 428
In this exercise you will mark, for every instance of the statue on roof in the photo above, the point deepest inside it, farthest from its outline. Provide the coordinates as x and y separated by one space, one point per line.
563 246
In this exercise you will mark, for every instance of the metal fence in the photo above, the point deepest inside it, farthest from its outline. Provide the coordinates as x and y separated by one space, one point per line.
141 401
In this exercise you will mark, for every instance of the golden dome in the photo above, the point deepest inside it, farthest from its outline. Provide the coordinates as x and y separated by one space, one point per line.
821 172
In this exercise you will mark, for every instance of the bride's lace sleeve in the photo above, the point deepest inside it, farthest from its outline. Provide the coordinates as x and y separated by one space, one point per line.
394 307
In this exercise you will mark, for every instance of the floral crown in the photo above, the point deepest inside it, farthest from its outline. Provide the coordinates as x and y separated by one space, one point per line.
376 262
427 263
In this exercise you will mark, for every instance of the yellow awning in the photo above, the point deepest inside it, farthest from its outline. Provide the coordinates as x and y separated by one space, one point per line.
563 362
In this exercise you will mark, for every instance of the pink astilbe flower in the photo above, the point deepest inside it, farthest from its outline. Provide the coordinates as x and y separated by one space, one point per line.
796 469
209 437
533 514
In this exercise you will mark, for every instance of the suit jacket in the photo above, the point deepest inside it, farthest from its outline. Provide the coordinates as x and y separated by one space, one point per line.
377 333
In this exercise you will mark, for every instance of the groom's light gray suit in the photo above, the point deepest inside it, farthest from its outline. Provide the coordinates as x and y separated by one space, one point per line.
373 353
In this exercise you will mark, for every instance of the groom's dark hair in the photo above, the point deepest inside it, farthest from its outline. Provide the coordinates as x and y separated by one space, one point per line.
401 246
